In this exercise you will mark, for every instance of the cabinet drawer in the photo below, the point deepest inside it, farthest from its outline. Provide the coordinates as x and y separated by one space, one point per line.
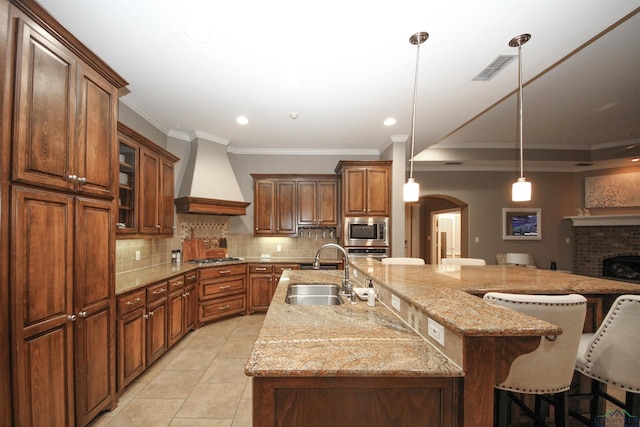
157 291
279 268
190 277
260 268
176 283
223 271
220 288
221 307
130 301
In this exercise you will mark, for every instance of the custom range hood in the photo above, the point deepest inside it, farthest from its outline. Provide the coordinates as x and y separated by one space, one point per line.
209 185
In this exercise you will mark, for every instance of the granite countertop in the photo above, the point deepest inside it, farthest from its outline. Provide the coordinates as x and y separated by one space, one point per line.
450 294
131 280
346 340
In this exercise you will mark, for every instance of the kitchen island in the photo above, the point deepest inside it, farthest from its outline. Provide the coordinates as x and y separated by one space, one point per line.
360 365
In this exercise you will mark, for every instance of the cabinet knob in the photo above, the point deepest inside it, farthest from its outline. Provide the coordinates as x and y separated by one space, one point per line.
72 177
72 317
82 180
146 316
157 225
82 314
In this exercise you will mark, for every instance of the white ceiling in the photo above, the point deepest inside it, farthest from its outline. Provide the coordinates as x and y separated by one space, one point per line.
581 71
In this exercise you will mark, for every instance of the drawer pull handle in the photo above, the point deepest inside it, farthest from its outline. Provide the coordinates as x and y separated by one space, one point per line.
191 277
134 301
179 283
225 287
225 271
146 316
261 269
226 307
159 291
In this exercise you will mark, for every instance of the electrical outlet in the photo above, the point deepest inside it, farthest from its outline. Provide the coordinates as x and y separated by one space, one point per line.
137 255
567 240
354 272
395 302
477 239
278 248
436 331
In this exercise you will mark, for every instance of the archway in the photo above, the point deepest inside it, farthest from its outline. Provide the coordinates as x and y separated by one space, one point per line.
418 219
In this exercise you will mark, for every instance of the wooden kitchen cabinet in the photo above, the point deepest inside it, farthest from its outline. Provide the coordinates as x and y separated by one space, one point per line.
274 212
282 203
132 337
318 201
157 317
65 117
182 309
222 291
366 188
65 328
263 280
146 186
60 218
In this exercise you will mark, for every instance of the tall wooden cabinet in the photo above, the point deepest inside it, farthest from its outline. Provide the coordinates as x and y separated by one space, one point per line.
59 117
366 187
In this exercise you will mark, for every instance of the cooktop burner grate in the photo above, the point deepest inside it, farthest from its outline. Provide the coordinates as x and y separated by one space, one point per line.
214 260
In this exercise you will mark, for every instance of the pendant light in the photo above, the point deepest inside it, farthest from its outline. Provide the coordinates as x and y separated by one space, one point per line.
521 189
411 191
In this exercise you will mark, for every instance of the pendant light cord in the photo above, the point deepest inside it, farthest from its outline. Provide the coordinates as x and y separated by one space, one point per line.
520 109
413 114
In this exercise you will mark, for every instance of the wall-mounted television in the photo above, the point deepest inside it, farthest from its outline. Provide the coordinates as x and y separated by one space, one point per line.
521 224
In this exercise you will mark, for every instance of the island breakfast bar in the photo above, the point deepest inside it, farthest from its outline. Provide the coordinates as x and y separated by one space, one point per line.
379 365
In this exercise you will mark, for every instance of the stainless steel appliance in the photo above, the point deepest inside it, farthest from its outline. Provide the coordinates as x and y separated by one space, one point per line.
378 252
366 231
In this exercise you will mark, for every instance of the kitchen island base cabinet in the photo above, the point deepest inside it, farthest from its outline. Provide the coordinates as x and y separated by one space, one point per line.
357 401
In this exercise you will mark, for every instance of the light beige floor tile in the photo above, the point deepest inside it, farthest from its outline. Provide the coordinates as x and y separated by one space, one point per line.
248 389
244 415
212 400
226 371
171 385
236 348
191 422
209 342
191 360
147 413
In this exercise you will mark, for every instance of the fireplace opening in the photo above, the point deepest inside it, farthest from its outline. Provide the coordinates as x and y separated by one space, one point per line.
625 268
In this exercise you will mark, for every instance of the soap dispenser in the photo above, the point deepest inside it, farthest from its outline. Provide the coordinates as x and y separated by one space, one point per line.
371 295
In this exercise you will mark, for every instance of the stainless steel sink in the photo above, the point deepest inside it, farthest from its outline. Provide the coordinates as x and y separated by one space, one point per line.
313 294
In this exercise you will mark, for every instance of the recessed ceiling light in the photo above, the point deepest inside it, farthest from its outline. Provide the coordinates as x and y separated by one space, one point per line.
390 121
292 77
197 32
293 116
242 120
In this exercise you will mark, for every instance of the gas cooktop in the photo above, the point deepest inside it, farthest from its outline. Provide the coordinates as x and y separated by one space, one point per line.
214 260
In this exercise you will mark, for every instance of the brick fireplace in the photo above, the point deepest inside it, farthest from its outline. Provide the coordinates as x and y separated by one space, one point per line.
595 244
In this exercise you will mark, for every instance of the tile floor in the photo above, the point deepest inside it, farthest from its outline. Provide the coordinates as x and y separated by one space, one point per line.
199 382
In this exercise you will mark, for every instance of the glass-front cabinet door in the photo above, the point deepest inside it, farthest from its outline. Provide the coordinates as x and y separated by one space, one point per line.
127 200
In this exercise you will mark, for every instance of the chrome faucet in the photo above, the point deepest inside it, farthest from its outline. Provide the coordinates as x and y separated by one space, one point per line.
347 287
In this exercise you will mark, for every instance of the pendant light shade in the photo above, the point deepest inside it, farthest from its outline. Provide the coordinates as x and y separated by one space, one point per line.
411 191
521 189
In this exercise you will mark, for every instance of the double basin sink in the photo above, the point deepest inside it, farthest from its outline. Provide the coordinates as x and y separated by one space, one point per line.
313 294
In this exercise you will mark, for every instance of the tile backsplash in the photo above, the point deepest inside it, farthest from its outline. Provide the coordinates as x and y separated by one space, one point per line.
213 228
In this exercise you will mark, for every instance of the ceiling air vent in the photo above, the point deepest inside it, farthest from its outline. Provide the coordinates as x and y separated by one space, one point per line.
494 68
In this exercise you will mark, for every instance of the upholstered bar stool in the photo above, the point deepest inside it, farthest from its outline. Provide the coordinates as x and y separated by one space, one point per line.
462 261
548 370
611 355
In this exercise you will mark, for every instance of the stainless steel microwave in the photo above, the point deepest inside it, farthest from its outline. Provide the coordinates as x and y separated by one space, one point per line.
366 231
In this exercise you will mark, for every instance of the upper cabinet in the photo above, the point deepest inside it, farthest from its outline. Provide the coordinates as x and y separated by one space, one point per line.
65 117
366 187
283 203
146 188
318 201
